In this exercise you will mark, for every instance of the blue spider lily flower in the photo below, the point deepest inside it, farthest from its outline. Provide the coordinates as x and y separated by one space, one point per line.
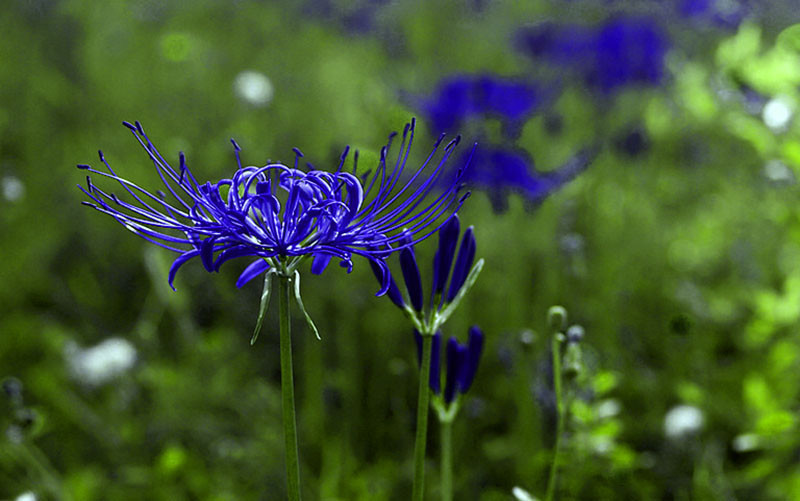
461 363
282 215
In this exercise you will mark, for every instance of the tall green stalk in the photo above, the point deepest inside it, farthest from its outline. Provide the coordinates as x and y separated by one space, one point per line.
422 419
446 428
552 480
287 393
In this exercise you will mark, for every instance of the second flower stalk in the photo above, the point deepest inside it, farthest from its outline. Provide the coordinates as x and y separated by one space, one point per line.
450 283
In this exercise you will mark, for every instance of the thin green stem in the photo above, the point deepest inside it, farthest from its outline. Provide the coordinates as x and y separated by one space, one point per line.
422 419
551 481
287 392
446 428
40 469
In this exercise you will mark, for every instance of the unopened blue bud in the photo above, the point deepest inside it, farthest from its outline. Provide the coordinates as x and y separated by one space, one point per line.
443 261
466 255
408 264
456 358
473 356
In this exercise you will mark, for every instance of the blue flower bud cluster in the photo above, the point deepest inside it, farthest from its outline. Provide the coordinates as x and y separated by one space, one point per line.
623 51
462 363
440 294
450 279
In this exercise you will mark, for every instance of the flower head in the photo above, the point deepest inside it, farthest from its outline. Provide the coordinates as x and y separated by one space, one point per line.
462 363
282 215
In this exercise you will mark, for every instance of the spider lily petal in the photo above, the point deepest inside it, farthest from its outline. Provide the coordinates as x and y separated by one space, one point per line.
394 292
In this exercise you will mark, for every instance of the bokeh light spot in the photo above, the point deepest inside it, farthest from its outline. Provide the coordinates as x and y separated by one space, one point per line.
254 88
176 47
777 113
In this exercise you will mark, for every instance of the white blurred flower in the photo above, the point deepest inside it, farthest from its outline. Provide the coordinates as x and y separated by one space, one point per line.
254 88
521 494
26 496
683 420
778 172
777 113
608 408
602 445
746 442
100 363
13 189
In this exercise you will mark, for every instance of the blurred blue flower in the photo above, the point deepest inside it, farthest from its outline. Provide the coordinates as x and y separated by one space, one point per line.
461 97
723 13
462 363
624 51
560 45
282 215
357 17
628 51
501 170
633 143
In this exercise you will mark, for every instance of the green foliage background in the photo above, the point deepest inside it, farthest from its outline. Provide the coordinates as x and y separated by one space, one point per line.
686 277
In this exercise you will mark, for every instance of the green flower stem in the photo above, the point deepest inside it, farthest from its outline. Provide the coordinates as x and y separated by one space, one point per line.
551 481
422 418
287 392
45 477
446 429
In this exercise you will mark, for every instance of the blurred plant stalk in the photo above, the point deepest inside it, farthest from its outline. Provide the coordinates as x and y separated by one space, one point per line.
557 320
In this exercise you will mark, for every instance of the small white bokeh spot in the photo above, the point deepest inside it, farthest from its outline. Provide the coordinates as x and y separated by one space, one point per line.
777 113
13 189
254 88
100 363
683 420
